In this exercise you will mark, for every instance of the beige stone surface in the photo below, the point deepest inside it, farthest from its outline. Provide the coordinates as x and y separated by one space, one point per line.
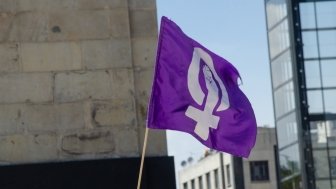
143 23
117 113
144 51
75 86
93 141
105 54
53 117
51 56
119 23
78 25
23 87
9 61
28 148
142 4
10 119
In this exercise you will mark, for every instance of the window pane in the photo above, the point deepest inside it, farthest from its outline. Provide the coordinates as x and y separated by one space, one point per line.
279 39
259 170
330 101
323 184
281 69
284 99
326 14
309 39
216 178
327 40
208 181
200 182
228 175
329 73
276 10
292 183
287 130
312 71
319 132
321 163
307 15
289 161
315 101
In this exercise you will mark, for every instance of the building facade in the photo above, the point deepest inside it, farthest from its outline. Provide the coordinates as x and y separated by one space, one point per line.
224 171
302 51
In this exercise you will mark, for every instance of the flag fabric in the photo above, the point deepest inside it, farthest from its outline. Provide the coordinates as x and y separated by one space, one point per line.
197 92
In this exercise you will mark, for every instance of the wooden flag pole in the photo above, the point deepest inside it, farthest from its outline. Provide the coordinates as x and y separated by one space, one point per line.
142 158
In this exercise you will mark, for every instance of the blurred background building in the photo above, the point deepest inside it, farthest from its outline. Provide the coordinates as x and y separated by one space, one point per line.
75 76
223 171
302 51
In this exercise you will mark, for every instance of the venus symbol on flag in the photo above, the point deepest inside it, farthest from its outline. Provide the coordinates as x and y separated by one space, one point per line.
205 118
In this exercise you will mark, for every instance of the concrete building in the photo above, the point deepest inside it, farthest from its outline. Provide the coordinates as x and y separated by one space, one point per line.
302 51
224 171
75 77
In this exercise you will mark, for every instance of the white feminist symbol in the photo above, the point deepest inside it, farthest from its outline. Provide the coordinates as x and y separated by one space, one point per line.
205 118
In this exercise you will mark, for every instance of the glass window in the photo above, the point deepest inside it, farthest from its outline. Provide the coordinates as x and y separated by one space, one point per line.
326 14
289 161
307 15
315 101
279 39
292 183
282 69
287 130
330 101
333 166
228 175
200 182
276 10
284 99
318 133
309 39
323 184
327 41
208 181
329 73
192 184
312 71
259 170
185 185
321 163
216 178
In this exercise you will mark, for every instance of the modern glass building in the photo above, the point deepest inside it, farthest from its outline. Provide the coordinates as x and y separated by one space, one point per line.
302 51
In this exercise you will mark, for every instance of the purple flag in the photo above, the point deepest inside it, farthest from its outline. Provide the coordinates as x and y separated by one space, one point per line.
196 91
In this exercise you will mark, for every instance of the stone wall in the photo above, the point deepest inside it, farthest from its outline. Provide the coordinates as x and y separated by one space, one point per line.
75 76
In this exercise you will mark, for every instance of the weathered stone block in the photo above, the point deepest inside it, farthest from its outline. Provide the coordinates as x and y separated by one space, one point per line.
28 27
9 61
51 56
78 86
93 141
102 54
76 25
40 5
25 87
28 148
143 23
10 119
7 6
119 23
157 142
117 113
142 4
122 83
144 51
6 21
143 81
126 142
100 4
53 117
